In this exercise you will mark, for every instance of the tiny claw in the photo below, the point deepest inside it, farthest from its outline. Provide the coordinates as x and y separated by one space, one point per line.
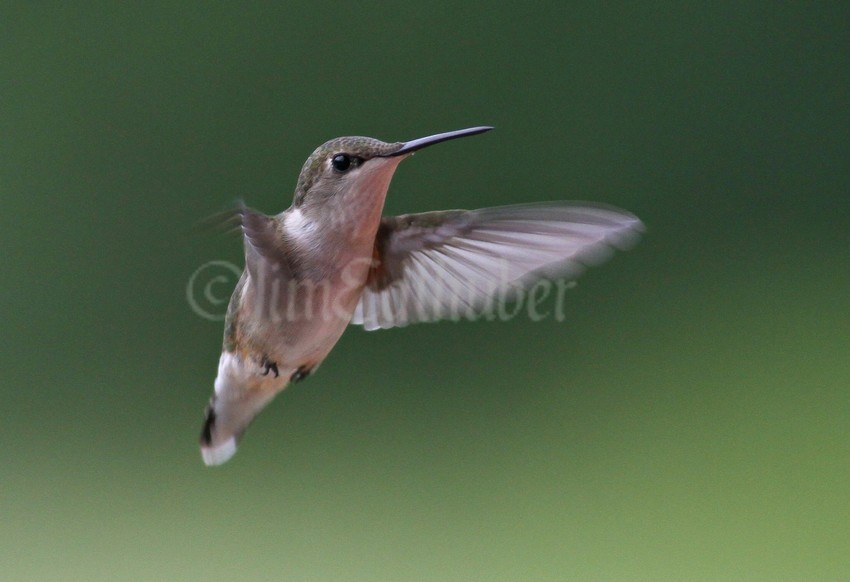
299 374
270 367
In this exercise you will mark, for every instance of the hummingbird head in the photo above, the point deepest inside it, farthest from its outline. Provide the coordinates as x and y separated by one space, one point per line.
341 164
351 168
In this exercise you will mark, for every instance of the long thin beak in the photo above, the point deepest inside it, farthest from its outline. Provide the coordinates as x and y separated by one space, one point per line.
422 142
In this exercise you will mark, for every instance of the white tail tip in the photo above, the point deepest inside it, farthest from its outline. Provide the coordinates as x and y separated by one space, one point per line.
219 454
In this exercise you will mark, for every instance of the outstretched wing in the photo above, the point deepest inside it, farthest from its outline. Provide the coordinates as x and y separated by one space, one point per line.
448 265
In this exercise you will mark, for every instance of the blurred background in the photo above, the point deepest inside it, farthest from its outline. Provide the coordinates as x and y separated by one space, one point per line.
689 418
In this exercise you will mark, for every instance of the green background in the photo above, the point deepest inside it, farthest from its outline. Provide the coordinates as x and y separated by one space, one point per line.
687 421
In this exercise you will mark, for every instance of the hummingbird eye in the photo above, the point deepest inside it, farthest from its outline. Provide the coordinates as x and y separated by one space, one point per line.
344 162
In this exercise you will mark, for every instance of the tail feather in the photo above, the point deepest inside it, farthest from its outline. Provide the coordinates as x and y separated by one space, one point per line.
230 412
225 423
222 450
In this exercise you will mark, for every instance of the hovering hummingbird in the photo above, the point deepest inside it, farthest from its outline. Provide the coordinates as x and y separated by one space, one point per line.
331 260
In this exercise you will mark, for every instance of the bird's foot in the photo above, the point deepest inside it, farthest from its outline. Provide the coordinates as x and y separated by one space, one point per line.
269 367
301 373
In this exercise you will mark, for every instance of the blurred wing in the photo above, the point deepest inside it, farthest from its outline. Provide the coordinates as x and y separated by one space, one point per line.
263 241
259 233
449 265
270 264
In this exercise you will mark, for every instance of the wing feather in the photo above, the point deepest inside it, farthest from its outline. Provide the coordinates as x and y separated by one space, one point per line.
448 265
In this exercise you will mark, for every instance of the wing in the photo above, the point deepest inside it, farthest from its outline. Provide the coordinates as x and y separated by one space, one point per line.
263 240
449 265
270 265
265 246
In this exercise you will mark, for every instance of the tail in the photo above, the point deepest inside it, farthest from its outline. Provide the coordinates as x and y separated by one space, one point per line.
232 408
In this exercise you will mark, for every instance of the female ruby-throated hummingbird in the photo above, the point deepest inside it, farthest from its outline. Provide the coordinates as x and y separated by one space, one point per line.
331 259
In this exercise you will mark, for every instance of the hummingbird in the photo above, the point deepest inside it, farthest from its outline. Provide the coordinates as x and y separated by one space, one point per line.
331 260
